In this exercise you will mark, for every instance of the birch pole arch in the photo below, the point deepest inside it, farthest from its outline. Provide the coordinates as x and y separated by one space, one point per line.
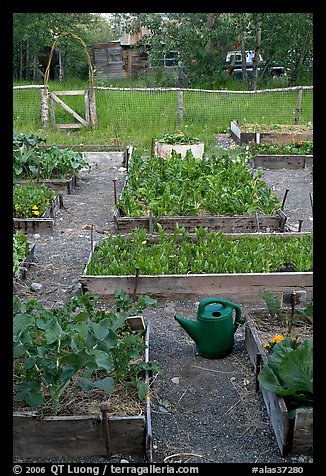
90 119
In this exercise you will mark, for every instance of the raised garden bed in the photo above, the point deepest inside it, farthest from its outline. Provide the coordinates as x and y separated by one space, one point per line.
282 161
195 196
193 285
60 185
43 224
246 133
97 434
165 150
26 264
180 143
228 224
293 436
23 255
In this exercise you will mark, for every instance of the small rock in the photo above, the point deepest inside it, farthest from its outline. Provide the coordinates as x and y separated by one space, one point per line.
36 236
36 287
175 380
233 379
124 461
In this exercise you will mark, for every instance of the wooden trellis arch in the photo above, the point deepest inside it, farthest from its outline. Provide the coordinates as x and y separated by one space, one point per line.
90 119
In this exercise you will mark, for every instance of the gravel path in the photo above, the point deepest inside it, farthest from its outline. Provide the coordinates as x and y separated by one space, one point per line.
207 409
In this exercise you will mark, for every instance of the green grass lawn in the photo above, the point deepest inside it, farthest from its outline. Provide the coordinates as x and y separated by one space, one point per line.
139 116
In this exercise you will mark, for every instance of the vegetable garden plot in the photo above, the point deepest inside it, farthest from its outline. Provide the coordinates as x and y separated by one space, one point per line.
244 133
274 156
56 167
170 266
294 435
23 255
60 185
35 207
97 430
221 193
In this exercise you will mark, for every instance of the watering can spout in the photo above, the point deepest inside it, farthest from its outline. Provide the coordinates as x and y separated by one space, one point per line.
190 326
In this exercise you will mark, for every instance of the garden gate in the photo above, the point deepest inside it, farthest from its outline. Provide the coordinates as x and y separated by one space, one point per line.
90 119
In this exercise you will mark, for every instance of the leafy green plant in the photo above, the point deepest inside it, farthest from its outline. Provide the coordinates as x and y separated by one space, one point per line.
28 140
177 138
20 242
31 200
53 162
222 184
302 147
178 253
289 373
273 303
307 311
76 341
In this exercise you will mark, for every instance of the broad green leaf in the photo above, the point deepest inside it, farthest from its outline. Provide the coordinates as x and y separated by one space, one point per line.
103 360
296 368
142 390
100 329
53 332
29 362
106 384
270 382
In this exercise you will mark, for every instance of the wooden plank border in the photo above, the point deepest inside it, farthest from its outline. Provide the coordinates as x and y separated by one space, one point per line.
228 224
61 185
296 438
278 161
43 224
83 435
197 286
241 137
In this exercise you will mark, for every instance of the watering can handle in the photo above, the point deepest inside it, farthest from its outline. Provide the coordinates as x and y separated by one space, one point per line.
238 319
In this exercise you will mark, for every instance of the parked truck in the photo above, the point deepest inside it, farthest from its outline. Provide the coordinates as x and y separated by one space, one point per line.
233 65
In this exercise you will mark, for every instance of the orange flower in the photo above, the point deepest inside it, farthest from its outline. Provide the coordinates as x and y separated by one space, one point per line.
277 339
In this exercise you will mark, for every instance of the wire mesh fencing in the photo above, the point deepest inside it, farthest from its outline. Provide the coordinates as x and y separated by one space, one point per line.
166 109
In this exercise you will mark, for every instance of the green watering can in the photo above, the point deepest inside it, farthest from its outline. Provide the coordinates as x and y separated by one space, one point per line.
213 331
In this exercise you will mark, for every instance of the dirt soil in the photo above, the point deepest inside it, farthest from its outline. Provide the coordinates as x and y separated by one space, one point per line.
203 411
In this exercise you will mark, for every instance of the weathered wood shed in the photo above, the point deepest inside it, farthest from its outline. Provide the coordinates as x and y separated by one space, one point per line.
121 58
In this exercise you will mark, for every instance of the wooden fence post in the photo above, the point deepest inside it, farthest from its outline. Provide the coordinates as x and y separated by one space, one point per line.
44 107
92 109
299 104
180 105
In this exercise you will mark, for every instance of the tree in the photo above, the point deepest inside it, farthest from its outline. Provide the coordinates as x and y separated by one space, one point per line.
202 40
32 32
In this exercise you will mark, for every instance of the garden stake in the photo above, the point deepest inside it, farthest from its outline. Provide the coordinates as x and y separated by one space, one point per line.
150 222
104 410
293 301
300 225
115 191
136 284
257 367
257 222
284 198
38 172
127 159
92 225
310 195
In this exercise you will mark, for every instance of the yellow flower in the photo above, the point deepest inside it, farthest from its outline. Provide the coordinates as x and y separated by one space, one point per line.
180 134
36 212
34 207
266 345
277 339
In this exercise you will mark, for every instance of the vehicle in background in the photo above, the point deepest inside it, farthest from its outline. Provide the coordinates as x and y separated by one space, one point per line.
233 65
